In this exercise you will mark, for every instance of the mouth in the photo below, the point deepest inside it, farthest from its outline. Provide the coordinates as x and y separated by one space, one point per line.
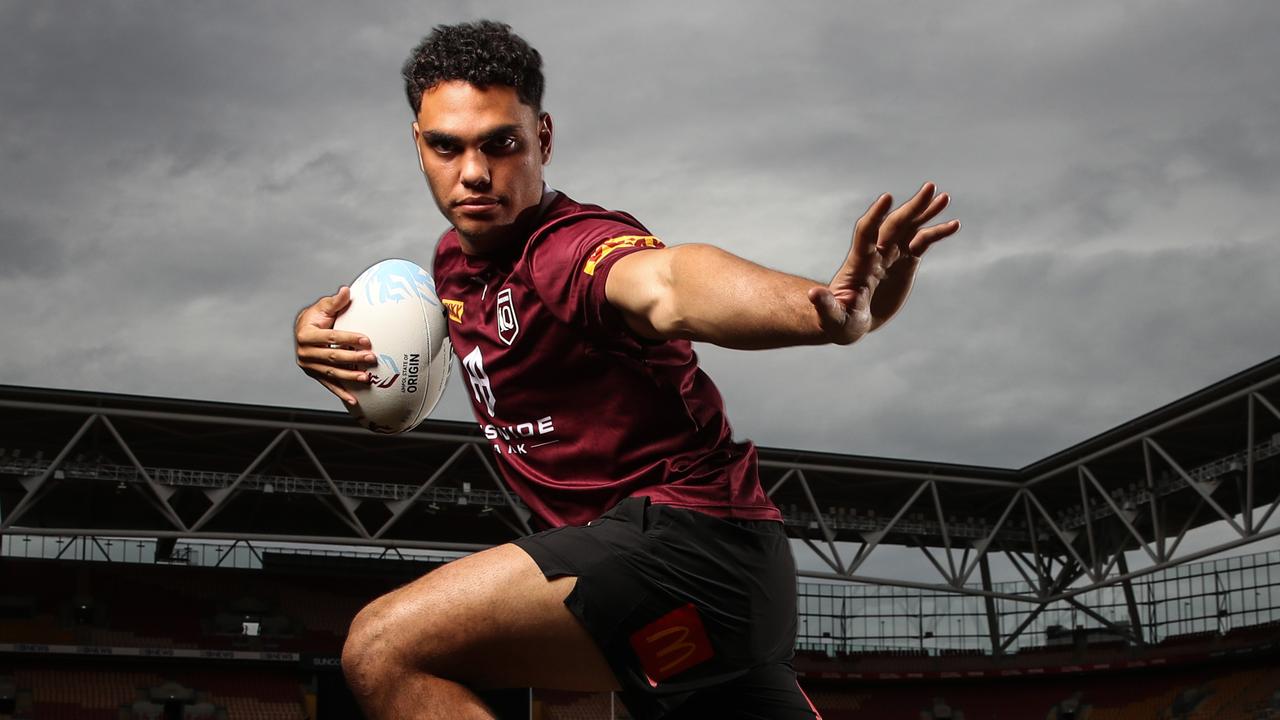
477 204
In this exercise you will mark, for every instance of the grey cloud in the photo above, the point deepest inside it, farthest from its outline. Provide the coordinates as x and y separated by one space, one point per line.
26 250
1044 352
205 170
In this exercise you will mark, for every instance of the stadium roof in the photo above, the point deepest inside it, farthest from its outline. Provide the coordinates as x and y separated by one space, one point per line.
78 462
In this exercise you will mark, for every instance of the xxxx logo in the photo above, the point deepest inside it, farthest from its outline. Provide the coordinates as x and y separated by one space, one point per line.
454 307
603 249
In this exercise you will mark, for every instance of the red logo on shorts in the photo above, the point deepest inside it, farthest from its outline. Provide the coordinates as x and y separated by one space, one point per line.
672 644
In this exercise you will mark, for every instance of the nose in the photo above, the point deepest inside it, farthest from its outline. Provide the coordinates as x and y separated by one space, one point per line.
475 171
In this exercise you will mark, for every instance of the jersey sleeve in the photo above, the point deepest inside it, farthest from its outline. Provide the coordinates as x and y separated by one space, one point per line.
570 265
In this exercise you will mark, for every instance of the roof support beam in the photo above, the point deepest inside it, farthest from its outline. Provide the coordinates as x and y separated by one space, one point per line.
1124 516
1087 509
399 507
520 514
162 493
348 505
221 496
1197 486
1066 541
822 523
982 545
951 580
993 622
34 488
873 539
1153 501
1105 622
946 537
1017 632
1131 602
1189 415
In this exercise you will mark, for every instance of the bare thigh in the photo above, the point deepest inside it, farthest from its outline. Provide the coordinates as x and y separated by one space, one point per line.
486 620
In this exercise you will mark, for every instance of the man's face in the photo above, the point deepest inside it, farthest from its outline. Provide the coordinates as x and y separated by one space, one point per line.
482 151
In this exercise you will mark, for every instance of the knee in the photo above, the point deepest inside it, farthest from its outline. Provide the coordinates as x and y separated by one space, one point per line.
369 659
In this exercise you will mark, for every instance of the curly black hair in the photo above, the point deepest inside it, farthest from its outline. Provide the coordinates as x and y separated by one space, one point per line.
482 53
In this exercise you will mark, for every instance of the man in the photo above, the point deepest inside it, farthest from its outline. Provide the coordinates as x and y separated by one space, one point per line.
667 575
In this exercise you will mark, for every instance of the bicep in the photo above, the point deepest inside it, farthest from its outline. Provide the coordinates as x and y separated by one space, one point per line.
639 287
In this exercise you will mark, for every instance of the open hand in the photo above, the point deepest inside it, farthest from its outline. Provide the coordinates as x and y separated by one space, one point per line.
885 245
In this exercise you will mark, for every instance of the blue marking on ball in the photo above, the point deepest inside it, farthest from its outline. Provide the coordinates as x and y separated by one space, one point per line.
396 280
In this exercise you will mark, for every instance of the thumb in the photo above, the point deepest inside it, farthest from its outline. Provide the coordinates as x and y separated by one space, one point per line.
337 302
831 315
323 312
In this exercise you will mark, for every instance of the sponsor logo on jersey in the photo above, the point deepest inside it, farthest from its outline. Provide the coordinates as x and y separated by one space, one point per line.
672 644
455 309
386 374
603 249
481 388
521 438
508 324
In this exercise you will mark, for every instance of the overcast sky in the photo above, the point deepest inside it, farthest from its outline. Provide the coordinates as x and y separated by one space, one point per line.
178 178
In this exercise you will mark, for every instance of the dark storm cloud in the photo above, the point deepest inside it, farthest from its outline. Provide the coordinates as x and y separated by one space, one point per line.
205 170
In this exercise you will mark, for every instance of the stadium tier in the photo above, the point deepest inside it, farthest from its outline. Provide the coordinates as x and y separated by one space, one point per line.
196 616
218 552
93 689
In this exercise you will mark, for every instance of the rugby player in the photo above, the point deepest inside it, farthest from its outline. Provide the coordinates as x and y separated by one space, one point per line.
664 571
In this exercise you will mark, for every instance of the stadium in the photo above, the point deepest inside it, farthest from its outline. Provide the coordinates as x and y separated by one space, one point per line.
165 558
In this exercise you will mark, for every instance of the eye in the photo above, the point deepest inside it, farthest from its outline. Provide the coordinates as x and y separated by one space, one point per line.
442 147
502 146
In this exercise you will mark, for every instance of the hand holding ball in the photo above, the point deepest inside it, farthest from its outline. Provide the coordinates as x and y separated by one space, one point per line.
394 303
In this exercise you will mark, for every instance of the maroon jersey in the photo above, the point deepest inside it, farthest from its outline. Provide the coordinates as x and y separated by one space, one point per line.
580 412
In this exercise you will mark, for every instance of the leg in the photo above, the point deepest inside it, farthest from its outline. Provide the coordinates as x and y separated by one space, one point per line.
486 620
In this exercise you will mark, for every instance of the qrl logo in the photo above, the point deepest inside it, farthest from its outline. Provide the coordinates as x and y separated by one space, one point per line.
480 386
508 325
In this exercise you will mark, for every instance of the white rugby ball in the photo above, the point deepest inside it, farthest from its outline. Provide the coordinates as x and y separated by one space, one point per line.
394 304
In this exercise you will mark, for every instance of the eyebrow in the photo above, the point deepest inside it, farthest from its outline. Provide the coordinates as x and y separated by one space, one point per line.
437 136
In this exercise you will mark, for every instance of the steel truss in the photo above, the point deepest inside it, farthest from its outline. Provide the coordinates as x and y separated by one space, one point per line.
1063 526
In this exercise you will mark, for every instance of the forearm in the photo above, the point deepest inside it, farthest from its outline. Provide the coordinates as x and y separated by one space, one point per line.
714 296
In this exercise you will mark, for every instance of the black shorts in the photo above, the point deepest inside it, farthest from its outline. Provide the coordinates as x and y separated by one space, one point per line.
695 614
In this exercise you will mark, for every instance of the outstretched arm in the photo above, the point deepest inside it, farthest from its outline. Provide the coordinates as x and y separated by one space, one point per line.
699 292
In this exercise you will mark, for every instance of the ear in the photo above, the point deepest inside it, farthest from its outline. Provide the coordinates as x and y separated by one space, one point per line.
417 147
544 136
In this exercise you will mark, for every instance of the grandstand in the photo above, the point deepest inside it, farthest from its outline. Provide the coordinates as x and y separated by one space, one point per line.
165 558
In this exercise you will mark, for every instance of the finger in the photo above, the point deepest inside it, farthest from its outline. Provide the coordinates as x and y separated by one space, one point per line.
332 373
903 220
866 233
939 203
930 235
921 199
324 337
336 356
338 390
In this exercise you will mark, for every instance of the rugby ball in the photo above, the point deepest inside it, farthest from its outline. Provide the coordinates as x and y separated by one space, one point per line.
394 304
